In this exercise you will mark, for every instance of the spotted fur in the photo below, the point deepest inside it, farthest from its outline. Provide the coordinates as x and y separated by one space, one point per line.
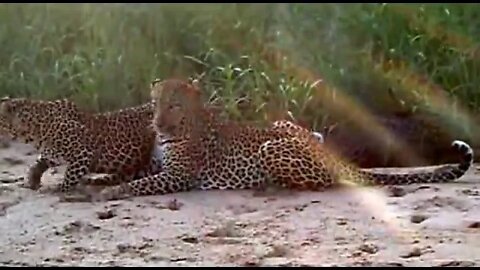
209 153
120 144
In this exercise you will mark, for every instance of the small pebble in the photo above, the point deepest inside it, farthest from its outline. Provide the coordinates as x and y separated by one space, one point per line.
418 218
123 247
474 225
397 191
277 251
252 262
457 264
190 239
174 205
369 248
108 214
415 252
341 221
300 208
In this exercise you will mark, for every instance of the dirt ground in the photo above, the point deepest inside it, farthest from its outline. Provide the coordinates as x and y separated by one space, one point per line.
422 225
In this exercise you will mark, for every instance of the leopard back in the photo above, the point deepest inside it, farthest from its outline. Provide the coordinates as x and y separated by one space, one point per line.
122 140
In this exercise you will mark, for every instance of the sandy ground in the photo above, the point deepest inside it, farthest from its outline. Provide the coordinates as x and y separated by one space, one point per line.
423 225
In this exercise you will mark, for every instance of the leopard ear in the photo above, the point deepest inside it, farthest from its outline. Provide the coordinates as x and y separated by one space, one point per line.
5 98
5 107
154 82
196 84
154 88
196 81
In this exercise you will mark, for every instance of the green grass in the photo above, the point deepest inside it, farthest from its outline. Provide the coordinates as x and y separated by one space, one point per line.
256 59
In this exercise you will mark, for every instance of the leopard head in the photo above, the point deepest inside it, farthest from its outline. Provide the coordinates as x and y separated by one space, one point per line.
16 118
26 119
178 106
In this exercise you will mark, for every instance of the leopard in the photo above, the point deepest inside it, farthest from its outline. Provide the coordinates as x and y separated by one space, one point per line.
120 144
425 137
205 152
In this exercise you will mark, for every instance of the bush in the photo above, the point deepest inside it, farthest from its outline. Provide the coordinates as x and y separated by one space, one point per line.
260 61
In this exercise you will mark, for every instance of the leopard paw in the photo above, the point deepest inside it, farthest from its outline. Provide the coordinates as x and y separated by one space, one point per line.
112 193
33 179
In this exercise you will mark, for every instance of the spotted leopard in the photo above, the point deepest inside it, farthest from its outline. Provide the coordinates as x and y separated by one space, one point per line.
206 153
120 144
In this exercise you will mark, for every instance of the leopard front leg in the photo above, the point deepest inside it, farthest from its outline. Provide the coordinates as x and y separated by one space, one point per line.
175 176
159 184
153 167
74 148
35 172
76 170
